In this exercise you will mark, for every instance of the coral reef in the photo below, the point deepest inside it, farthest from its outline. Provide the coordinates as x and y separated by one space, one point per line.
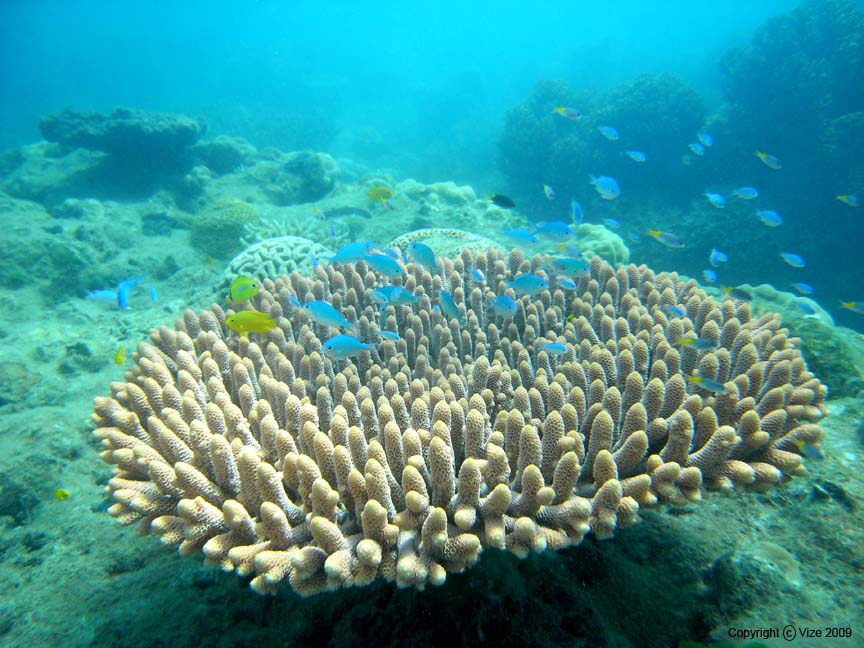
597 240
48 174
801 74
656 113
223 154
300 221
270 177
445 241
217 230
273 257
124 133
834 352
269 458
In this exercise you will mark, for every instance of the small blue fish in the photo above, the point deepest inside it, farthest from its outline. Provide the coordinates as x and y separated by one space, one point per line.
505 306
805 306
576 213
636 156
702 344
314 260
667 238
709 276
570 251
606 186
708 384
102 295
705 139
609 133
294 301
549 192
554 348
611 222
569 267
633 236
476 275
566 284
352 252
697 148
793 259
340 347
715 199
671 309
448 305
520 236
771 161
422 254
717 257
332 230
555 231
325 314
770 217
393 295
810 450
528 284
803 288
383 264
745 193
393 336
123 290
154 296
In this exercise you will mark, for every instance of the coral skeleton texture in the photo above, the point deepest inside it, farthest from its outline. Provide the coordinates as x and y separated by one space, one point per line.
406 461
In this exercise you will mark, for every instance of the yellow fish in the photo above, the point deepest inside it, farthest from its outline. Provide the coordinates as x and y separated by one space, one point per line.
120 356
848 199
855 307
242 290
379 193
62 494
771 161
246 322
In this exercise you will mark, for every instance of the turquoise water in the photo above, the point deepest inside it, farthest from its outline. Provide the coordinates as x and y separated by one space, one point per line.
679 177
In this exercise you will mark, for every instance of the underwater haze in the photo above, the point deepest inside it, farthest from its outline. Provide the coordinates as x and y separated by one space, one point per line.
502 325
422 87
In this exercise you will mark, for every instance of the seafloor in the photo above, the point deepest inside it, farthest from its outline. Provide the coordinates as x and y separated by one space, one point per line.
71 576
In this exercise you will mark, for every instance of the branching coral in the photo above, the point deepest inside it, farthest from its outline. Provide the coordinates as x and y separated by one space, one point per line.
405 463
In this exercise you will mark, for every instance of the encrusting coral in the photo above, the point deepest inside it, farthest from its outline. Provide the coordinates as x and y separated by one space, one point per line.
405 462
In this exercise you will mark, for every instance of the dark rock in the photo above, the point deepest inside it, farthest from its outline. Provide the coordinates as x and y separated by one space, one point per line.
10 160
124 133
159 223
223 154
80 358
35 540
16 380
17 501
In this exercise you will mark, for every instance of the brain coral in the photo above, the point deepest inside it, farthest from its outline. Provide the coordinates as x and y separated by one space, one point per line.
276 256
271 459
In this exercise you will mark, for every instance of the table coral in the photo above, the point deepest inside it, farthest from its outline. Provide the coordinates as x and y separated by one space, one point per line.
408 461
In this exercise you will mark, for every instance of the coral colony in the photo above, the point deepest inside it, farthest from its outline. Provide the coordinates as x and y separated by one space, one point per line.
406 460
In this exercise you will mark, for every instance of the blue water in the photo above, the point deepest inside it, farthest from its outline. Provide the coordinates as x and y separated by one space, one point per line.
438 76
438 92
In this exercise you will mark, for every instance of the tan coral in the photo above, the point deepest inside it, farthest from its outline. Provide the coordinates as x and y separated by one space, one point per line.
405 462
